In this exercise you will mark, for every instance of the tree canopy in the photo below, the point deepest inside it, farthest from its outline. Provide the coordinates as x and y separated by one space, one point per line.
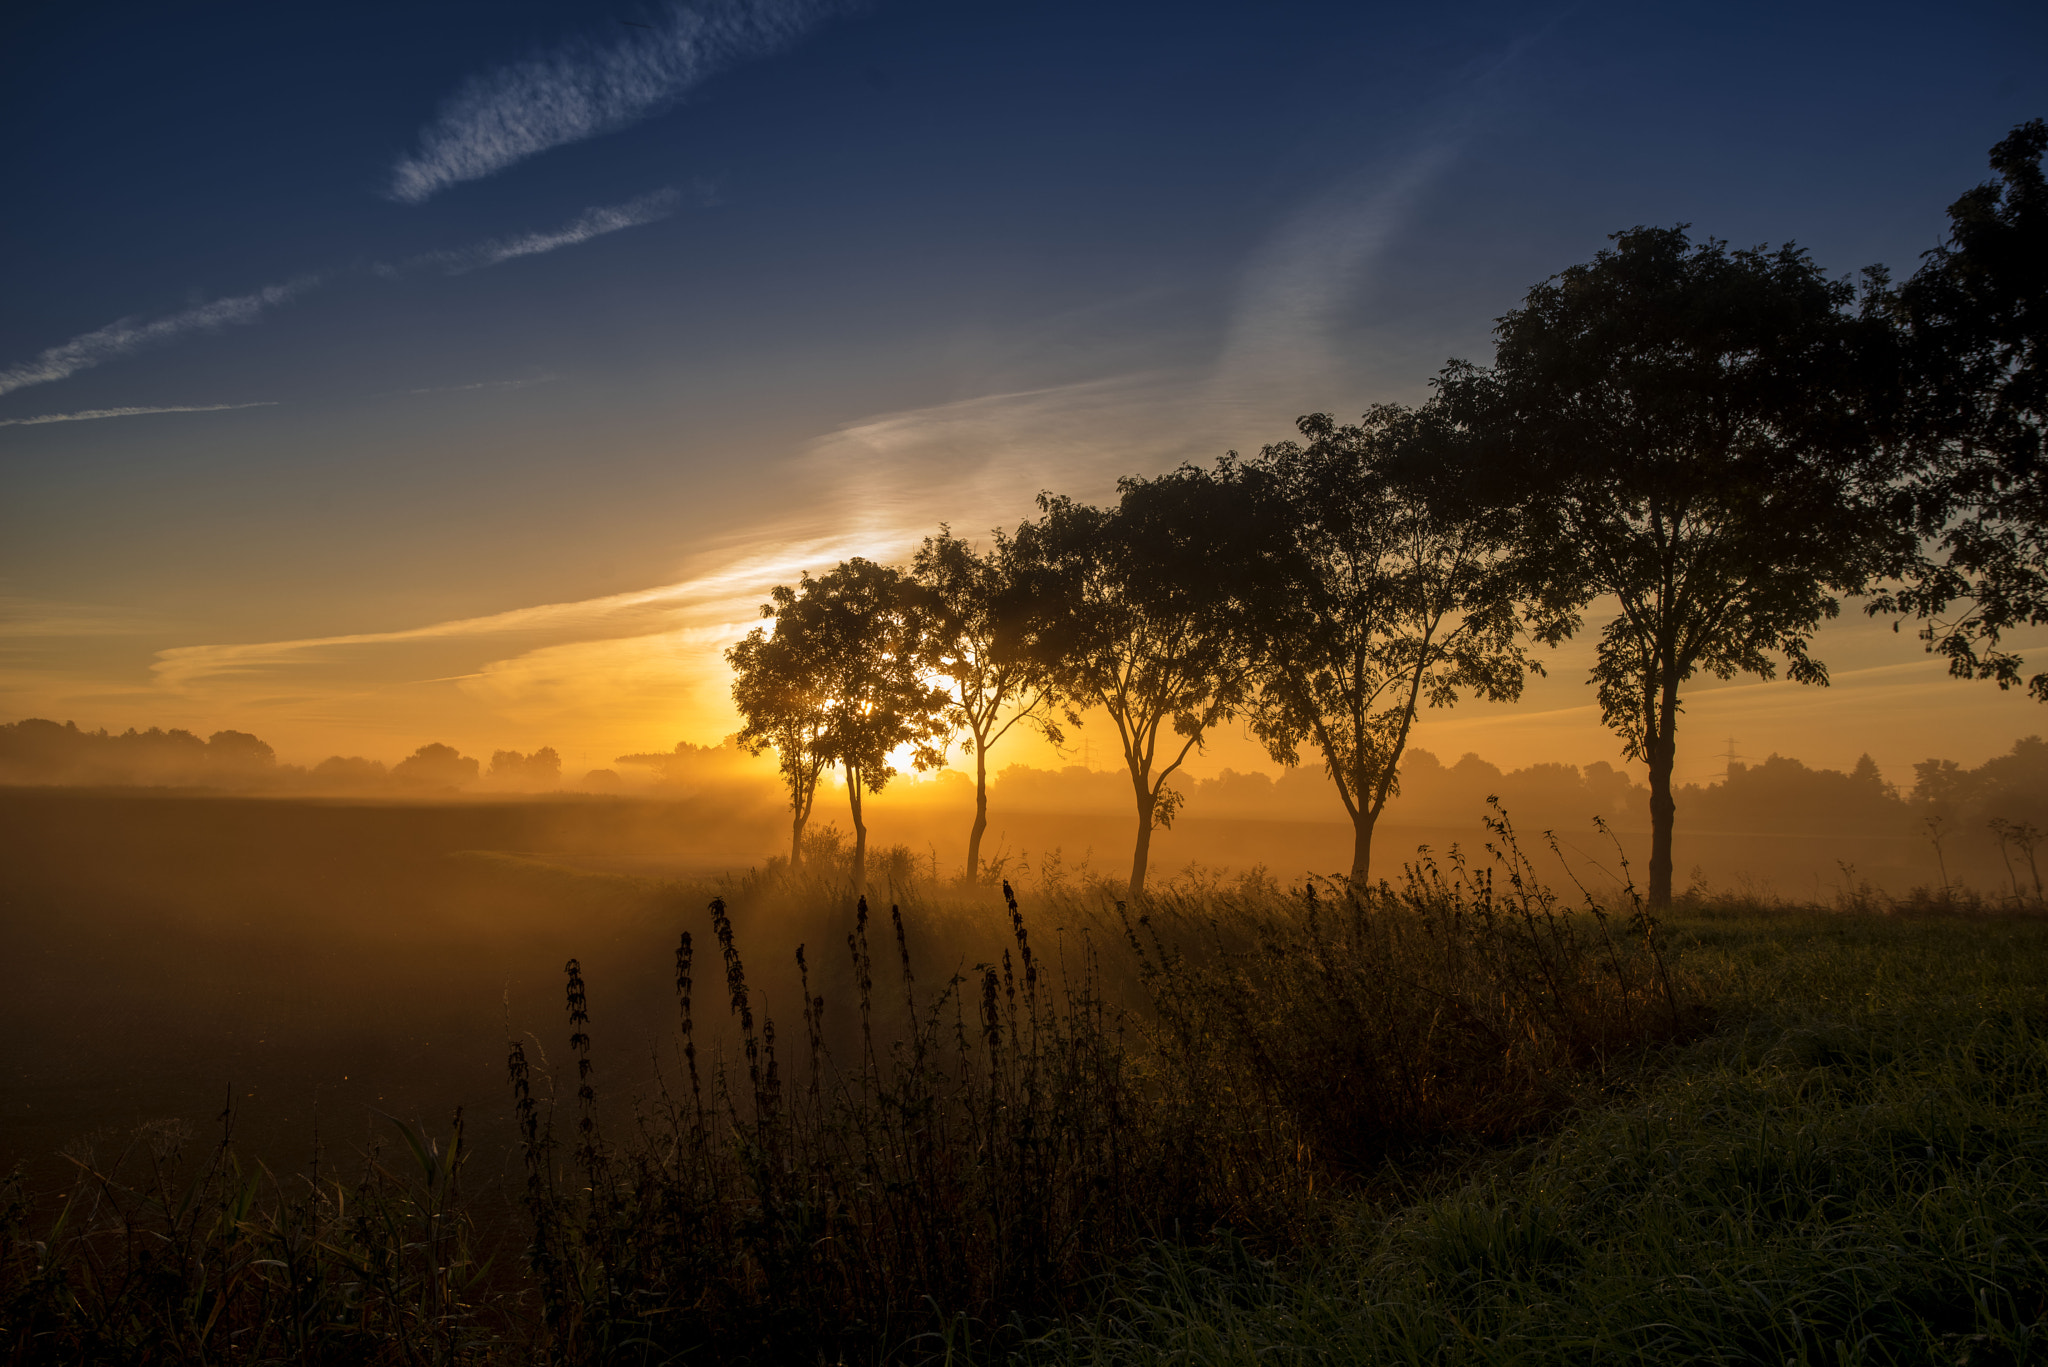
1386 592
1691 433
860 633
992 683
1128 609
1976 318
778 686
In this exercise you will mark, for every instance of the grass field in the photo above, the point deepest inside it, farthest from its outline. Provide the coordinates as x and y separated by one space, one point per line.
1463 1122
1852 1167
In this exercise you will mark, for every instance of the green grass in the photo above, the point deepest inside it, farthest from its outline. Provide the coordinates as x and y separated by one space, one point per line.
1853 1167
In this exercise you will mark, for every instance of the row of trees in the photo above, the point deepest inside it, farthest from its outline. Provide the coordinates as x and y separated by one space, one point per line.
38 751
1720 444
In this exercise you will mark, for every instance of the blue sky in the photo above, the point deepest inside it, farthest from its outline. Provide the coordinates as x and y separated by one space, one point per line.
513 349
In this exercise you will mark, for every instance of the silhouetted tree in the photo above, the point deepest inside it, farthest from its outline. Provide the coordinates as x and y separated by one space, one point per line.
2009 787
1976 314
541 769
1690 430
38 751
435 766
779 687
1128 609
695 764
351 772
993 686
239 754
1782 796
858 635
1390 594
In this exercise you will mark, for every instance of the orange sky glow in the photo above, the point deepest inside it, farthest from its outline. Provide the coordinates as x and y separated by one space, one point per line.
639 670
636 669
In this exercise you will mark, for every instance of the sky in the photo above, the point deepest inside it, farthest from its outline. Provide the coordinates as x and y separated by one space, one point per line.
375 375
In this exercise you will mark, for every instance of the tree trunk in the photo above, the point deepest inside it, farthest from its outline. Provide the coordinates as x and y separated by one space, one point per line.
980 813
796 842
1663 749
1361 846
1142 854
860 831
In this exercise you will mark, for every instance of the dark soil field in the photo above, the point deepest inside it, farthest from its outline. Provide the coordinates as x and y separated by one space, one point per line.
313 961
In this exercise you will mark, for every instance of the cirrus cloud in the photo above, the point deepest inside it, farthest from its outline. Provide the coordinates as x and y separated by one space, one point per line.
592 222
119 338
586 88
89 414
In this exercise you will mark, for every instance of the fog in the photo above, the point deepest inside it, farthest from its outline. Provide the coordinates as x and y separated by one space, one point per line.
325 959
1775 827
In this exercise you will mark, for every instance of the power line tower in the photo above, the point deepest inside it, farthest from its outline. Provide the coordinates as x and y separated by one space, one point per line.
1731 759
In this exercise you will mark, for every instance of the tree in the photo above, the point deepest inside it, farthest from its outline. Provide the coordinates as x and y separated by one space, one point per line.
1976 314
541 769
1128 609
239 754
1693 432
859 633
435 766
778 686
993 686
1391 594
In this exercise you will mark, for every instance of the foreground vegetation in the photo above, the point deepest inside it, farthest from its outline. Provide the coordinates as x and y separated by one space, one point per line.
1852 1168
1457 1121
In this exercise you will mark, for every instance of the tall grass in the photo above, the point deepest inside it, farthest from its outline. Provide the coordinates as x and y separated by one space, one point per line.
955 1134
959 1151
1851 1170
976 1147
162 1255
1459 1005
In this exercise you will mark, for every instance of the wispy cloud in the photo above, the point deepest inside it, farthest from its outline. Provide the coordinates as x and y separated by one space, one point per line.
722 596
1297 289
89 414
589 87
879 486
129 334
593 222
118 339
981 461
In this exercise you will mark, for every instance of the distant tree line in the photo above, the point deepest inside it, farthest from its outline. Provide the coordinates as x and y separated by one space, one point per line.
38 751
1708 447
